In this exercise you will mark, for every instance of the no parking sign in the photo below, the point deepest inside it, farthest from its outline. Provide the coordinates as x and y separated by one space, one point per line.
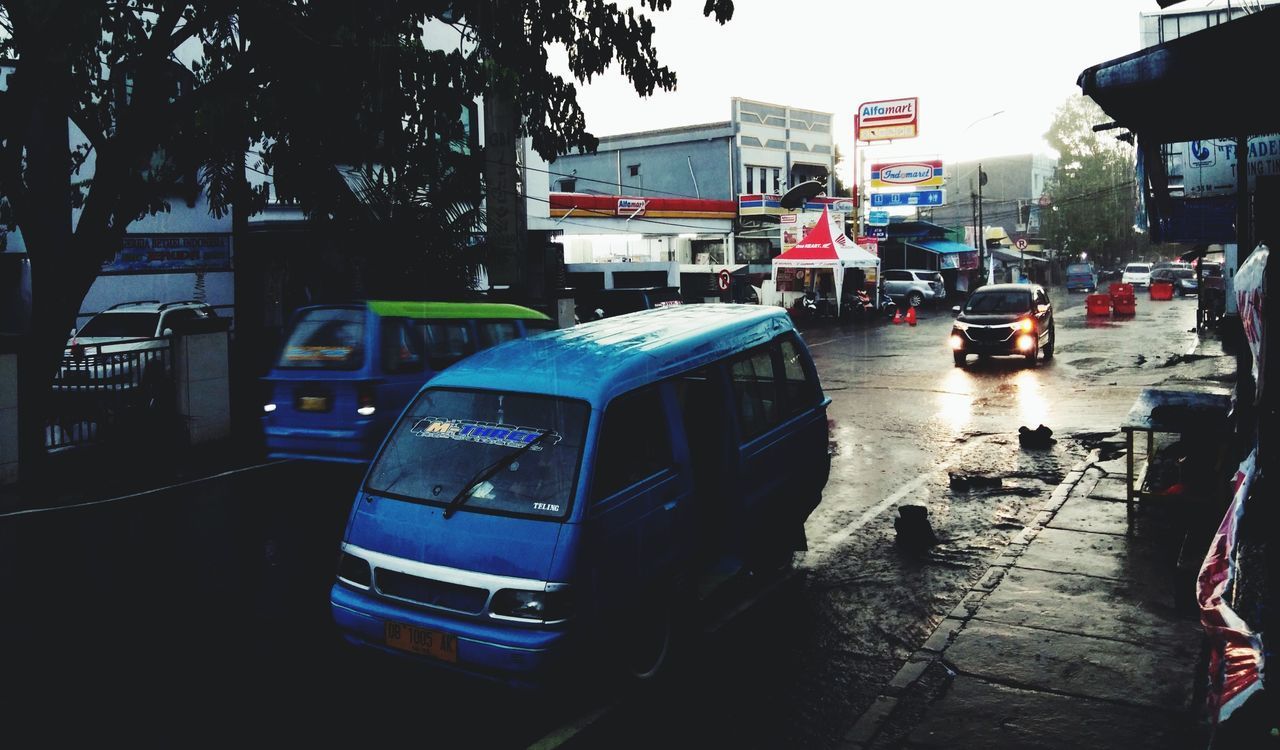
722 279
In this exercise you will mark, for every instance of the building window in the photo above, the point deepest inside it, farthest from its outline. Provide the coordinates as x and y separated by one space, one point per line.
568 186
751 185
764 180
633 170
777 180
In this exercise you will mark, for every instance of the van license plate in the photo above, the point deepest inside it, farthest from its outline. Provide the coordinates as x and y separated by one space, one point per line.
313 403
421 641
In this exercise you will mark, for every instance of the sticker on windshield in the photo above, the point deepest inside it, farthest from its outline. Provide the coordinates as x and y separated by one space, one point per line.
488 433
318 353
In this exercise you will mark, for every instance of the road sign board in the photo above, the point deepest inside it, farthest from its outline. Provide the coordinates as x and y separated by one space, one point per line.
917 198
722 279
878 218
1020 243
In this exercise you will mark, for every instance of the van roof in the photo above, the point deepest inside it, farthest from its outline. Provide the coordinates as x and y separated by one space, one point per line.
600 360
412 309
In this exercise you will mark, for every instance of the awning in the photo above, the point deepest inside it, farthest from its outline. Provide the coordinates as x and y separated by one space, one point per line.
1015 256
1204 85
943 247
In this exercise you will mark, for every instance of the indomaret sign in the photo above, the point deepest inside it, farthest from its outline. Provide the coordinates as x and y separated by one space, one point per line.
888 119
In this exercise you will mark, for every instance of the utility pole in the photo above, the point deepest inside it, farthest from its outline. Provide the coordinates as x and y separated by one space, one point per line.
982 239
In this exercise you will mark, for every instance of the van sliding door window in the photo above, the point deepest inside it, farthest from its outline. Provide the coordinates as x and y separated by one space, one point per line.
801 388
755 392
634 442
402 346
447 342
494 332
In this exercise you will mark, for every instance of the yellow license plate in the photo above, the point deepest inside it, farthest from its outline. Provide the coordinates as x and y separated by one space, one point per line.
421 641
313 403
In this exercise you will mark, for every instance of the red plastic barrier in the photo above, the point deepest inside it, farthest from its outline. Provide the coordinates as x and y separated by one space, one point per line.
1097 304
1118 289
1161 290
1126 305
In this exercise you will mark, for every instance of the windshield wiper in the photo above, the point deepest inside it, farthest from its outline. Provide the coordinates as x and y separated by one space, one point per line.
487 472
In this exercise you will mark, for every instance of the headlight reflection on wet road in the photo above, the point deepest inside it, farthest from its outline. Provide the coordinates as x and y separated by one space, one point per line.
955 402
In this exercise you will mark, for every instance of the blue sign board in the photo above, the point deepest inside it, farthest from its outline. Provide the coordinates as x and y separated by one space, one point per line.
917 198
878 218
878 232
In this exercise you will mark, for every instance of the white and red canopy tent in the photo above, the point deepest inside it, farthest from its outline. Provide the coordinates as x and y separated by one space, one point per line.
826 247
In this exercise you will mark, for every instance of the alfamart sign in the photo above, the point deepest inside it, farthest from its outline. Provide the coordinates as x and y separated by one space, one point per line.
907 174
888 119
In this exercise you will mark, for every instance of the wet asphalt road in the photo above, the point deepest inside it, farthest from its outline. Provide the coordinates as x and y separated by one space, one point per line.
199 615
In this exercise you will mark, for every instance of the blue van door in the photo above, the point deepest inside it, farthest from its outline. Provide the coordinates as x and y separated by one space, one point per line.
782 458
636 499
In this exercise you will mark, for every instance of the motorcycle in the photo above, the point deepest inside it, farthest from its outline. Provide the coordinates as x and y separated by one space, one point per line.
859 305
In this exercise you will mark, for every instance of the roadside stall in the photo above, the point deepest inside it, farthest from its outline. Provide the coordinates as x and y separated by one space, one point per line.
821 264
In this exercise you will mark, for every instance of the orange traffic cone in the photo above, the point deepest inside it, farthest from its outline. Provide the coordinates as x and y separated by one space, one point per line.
897 315
911 316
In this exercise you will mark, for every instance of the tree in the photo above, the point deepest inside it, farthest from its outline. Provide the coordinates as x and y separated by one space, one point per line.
1094 192
167 97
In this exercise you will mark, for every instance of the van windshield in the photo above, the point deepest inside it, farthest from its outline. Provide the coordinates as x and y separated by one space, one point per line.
999 302
326 339
446 436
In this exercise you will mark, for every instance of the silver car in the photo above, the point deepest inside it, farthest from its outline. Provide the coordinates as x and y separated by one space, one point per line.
913 286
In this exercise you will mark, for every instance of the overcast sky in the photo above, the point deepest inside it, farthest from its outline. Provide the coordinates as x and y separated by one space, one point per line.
964 60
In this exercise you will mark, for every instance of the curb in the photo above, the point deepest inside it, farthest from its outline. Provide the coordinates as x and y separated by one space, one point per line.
931 652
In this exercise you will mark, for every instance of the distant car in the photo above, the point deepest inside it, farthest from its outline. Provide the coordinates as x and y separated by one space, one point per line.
124 346
1210 268
1081 277
1183 279
913 286
1138 274
1004 319
594 304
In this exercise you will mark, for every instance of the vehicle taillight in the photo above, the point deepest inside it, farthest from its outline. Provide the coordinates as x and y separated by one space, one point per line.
364 400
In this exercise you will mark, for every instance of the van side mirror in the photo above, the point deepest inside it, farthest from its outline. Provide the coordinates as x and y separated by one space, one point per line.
955 310
167 332
1042 308
73 332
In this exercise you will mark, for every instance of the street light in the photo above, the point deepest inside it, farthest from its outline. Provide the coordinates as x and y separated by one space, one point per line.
978 230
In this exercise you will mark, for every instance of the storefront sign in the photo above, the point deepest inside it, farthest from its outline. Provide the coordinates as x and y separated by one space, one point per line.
907 174
171 252
887 119
878 218
1208 168
916 198
631 206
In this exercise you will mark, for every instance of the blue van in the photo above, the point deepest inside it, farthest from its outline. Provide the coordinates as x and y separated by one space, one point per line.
345 372
582 491
1082 277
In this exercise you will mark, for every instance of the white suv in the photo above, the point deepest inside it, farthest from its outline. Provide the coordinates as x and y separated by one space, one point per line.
913 286
125 345
1138 274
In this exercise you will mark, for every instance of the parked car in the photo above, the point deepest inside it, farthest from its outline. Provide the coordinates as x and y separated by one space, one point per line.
126 346
586 493
912 286
594 304
345 372
1081 277
1138 274
1004 319
1183 279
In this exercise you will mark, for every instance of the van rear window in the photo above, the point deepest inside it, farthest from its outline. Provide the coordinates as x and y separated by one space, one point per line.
325 339
448 437
1079 268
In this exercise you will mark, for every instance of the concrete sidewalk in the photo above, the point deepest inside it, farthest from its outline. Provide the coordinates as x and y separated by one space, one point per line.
1072 639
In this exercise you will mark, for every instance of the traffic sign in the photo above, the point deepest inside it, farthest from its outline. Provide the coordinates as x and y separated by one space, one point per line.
879 233
916 198
1020 243
722 279
878 218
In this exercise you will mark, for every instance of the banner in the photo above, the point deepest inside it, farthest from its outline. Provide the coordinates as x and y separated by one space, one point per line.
171 252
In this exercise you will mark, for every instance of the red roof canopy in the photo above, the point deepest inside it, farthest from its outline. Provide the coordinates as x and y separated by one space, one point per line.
820 243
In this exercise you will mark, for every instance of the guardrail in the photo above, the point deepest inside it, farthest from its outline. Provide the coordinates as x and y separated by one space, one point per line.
104 388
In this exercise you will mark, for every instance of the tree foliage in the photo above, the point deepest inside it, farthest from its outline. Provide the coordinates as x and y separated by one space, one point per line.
173 98
1094 192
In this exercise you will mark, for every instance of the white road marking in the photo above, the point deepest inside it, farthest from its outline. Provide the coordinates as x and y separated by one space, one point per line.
843 534
562 734
143 493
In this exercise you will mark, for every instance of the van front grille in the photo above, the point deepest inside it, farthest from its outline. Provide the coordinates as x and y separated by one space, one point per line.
989 335
430 592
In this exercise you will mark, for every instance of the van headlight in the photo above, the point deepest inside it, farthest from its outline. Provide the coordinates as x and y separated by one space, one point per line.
553 605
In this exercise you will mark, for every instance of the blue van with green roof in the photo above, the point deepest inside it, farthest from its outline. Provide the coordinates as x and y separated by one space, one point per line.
583 491
345 371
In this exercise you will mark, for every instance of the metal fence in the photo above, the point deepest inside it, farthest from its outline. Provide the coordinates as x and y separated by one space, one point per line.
106 389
